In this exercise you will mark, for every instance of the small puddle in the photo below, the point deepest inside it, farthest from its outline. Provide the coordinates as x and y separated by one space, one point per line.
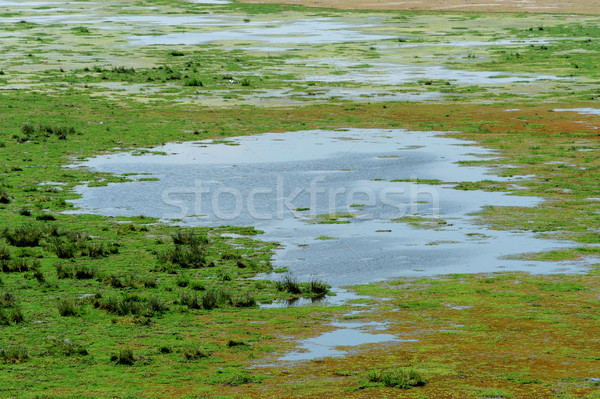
582 111
396 74
337 343
297 31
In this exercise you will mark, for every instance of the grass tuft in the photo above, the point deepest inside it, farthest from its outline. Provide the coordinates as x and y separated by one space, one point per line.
194 82
45 217
190 300
156 305
215 298
4 197
67 348
31 131
78 272
14 354
16 316
194 353
39 276
18 265
64 250
233 377
125 358
7 300
245 300
4 253
403 379
67 307
318 287
288 283
186 237
23 236
186 257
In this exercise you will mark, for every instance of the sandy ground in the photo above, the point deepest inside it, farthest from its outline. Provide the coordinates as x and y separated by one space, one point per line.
532 6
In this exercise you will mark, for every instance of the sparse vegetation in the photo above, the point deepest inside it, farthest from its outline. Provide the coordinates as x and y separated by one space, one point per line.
187 237
64 250
10 312
123 69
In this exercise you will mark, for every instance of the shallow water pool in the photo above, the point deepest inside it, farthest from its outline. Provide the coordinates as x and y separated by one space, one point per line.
338 201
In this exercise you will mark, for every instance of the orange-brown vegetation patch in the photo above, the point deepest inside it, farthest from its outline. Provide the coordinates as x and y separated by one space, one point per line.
513 335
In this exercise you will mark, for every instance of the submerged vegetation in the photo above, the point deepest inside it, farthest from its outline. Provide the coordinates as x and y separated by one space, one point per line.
129 306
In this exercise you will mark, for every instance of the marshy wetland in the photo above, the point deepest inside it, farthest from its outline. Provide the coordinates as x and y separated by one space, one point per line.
420 187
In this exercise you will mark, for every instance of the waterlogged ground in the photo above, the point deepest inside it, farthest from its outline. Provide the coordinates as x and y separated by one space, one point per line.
114 306
217 55
346 205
